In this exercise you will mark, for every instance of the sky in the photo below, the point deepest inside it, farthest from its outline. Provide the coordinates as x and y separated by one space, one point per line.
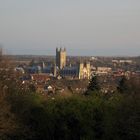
84 27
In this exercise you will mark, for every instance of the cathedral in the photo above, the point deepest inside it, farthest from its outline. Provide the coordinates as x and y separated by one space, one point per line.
60 68
80 71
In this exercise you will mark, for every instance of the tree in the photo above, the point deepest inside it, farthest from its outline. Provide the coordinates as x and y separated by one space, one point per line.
93 85
122 87
129 86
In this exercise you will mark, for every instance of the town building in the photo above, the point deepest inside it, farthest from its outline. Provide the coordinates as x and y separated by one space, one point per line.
103 70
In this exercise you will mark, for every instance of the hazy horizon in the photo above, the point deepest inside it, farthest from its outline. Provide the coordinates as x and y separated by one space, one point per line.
84 27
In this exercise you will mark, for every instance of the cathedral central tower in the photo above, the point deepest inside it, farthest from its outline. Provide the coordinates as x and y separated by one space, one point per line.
60 58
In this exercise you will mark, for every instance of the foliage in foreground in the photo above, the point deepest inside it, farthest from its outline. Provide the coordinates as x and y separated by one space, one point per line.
30 117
